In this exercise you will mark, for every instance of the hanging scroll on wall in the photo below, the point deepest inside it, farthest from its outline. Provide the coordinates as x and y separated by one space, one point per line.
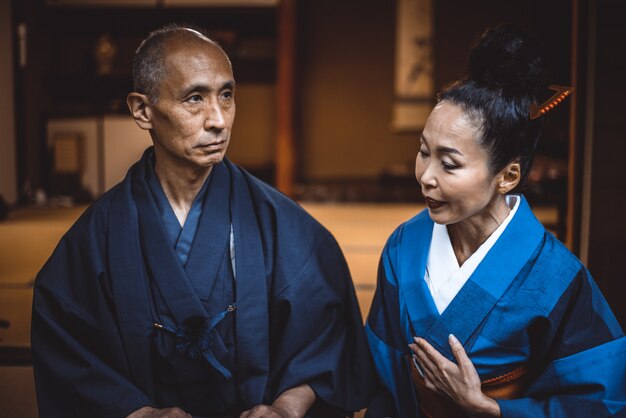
414 85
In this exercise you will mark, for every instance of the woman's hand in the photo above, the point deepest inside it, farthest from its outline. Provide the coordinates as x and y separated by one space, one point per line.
458 381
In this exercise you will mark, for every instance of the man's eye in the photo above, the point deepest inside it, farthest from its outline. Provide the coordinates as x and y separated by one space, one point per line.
195 98
227 95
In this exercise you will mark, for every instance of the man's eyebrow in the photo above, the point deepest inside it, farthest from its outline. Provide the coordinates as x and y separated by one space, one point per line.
442 149
203 88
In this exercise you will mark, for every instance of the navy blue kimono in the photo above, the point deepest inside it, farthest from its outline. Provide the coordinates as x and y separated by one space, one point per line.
123 318
529 304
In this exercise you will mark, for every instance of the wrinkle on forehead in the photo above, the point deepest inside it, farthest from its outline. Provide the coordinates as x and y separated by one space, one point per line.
192 50
197 55
194 62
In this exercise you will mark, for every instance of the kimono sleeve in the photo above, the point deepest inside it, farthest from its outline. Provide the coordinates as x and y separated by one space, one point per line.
317 336
585 375
387 343
78 358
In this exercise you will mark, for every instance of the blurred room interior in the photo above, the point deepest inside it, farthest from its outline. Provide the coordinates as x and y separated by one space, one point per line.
331 97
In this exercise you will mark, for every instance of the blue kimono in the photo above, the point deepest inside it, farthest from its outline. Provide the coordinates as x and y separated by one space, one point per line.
217 317
530 303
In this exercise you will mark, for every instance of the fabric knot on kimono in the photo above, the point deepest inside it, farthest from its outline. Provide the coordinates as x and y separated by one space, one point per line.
195 337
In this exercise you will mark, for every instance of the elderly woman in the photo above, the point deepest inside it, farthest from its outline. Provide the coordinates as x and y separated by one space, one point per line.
478 310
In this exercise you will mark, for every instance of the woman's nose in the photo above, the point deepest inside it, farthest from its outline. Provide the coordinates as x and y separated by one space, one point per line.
424 174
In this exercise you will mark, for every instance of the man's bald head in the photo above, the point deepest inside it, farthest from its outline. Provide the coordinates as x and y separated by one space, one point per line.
149 68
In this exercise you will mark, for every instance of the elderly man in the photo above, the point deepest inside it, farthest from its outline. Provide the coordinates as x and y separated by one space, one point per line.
192 288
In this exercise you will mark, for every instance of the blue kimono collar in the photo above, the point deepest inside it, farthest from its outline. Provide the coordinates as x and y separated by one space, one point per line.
133 255
481 292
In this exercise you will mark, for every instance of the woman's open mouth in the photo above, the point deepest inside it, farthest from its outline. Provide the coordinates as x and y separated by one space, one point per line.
434 204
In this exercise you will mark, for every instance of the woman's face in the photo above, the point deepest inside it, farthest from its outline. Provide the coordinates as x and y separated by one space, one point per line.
453 169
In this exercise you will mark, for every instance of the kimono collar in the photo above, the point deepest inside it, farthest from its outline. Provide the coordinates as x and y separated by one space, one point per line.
180 237
144 250
443 275
481 292
202 261
129 260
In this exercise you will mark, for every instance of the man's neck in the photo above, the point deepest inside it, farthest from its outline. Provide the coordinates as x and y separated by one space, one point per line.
181 186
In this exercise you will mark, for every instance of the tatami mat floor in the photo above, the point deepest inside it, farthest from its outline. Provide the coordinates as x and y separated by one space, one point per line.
362 230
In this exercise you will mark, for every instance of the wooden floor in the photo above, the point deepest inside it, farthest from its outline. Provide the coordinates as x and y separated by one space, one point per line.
30 235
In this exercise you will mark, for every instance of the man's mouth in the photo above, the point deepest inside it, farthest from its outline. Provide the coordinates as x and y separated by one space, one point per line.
212 145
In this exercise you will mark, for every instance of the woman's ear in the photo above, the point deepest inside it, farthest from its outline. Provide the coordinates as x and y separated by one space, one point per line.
508 178
139 106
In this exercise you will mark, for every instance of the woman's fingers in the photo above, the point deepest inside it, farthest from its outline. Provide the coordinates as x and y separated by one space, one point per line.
442 373
459 381
431 356
462 360
431 366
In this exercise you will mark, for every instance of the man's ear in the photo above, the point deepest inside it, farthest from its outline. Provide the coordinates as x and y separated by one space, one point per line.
508 178
139 106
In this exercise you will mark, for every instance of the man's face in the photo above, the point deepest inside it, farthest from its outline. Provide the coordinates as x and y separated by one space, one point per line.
194 113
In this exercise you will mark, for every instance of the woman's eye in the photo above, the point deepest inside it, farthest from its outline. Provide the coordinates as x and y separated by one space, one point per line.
449 166
423 153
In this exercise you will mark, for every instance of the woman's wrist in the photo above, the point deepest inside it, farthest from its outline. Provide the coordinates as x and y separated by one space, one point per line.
486 407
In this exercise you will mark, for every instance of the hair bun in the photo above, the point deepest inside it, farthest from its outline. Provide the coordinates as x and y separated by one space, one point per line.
507 58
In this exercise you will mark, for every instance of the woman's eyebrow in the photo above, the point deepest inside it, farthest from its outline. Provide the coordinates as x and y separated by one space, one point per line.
442 149
449 150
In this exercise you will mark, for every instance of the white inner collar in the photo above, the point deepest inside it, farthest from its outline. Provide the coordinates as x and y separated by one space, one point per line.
443 275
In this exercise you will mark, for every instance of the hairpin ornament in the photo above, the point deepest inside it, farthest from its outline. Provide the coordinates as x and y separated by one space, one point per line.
561 93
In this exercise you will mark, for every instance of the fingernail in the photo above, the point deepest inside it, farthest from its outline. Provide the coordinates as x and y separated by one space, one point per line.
452 338
416 339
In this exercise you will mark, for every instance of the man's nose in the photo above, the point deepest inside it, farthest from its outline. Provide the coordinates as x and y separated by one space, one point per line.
215 116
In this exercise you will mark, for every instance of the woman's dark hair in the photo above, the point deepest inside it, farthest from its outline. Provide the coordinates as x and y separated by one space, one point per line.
504 76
